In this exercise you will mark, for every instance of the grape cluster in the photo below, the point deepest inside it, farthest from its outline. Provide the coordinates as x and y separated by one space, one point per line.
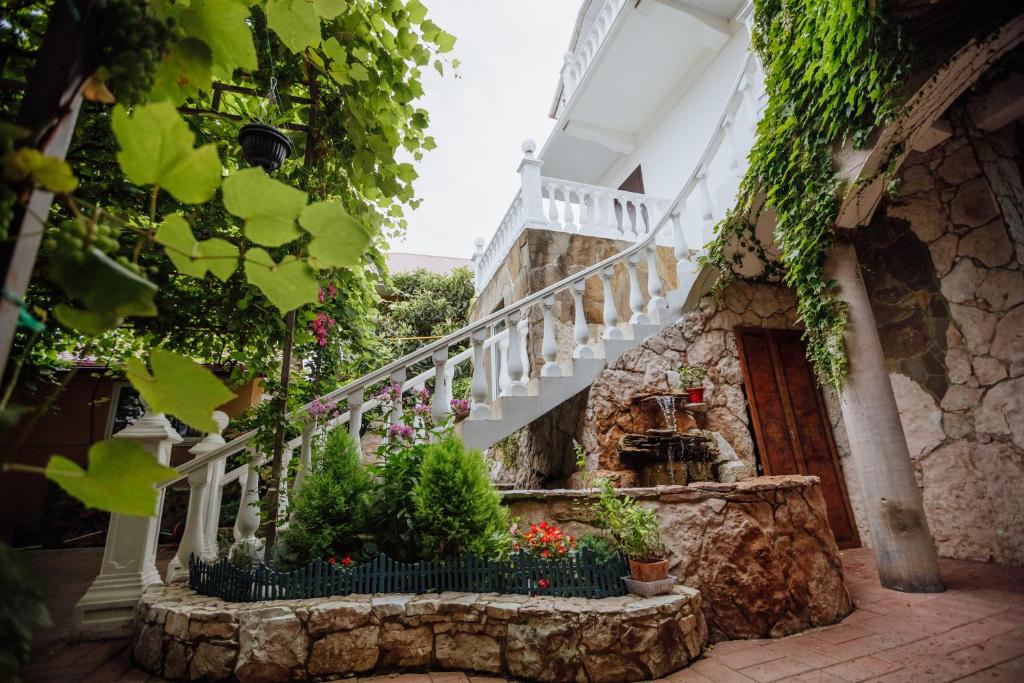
132 42
73 239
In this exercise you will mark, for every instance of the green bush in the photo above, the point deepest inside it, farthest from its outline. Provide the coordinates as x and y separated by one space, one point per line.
392 519
457 506
329 514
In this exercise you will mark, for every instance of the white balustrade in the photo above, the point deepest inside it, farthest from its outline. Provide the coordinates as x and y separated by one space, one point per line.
248 520
580 332
611 314
657 304
192 541
439 407
636 297
355 414
211 515
478 385
514 358
575 64
549 347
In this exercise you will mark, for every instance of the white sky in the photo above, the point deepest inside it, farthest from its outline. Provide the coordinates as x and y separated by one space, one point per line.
511 53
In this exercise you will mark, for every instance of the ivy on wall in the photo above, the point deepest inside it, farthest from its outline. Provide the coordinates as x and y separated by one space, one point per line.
831 70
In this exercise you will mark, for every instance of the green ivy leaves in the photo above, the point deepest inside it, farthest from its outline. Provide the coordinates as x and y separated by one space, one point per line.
268 206
121 477
179 386
157 148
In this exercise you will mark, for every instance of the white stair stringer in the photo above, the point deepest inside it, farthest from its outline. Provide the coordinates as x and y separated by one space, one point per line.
512 413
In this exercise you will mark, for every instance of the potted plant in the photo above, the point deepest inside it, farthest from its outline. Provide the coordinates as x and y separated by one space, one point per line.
692 379
635 530
263 140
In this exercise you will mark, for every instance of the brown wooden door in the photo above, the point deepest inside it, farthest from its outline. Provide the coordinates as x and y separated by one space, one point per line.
791 424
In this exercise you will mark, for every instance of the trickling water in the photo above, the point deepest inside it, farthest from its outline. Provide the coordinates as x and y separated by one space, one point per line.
668 411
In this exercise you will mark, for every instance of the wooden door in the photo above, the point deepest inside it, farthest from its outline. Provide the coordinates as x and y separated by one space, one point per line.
791 424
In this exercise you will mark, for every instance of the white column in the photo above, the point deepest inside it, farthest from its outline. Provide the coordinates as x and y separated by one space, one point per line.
514 360
529 177
129 556
611 315
657 304
248 521
210 442
478 386
903 546
636 296
397 377
355 415
439 408
192 541
548 347
570 216
580 332
305 456
553 215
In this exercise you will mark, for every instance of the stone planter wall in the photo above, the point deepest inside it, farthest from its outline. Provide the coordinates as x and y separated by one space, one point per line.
183 636
759 551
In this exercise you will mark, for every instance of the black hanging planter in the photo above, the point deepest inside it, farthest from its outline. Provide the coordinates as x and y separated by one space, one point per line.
264 145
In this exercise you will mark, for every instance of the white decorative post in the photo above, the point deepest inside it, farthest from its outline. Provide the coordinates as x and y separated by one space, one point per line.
355 415
397 379
529 177
548 347
636 297
478 387
580 333
514 361
129 557
305 456
192 541
686 269
568 74
439 407
248 521
211 515
611 315
657 304
478 262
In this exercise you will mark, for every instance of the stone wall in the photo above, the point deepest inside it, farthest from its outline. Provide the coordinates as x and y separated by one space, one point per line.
182 636
942 264
759 551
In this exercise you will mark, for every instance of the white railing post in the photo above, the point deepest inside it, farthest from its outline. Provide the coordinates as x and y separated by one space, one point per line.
580 333
568 75
211 515
529 177
478 263
657 304
636 296
398 378
524 352
129 556
248 520
549 348
192 541
709 204
439 407
685 268
611 315
478 386
514 361
355 415
305 457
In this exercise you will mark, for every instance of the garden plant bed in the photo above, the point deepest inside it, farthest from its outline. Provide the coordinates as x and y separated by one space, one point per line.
184 636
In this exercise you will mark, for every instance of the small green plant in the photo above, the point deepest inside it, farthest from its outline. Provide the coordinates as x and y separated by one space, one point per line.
603 547
581 463
457 508
691 377
244 556
328 515
634 528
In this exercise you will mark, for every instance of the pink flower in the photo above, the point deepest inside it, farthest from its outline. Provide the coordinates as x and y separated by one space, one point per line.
460 406
321 326
400 431
424 394
318 409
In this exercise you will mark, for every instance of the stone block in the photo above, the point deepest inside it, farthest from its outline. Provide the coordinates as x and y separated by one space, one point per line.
473 652
345 652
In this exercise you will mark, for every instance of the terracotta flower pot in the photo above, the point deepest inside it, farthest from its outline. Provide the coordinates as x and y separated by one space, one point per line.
695 394
648 571
264 145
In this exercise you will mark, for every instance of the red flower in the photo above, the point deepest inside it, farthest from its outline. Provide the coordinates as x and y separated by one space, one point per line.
332 560
543 583
347 561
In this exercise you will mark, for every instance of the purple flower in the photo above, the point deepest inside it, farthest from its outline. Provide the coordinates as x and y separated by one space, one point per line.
318 409
424 394
421 409
400 431
460 406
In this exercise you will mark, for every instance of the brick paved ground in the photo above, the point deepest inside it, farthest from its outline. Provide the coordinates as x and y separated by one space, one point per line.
972 632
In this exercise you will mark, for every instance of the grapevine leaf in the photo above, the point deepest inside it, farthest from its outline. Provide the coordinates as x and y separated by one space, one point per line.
339 240
194 258
50 172
295 22
157 149
328 9
109 291
417 11
179 386
287 285
183 72
268 206
445 41
121 477
223 26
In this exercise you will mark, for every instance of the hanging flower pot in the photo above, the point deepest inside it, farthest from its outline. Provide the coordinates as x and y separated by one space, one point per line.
264 145
695 394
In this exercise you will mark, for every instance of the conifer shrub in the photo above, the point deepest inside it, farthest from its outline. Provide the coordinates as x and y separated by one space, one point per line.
457 508
328 516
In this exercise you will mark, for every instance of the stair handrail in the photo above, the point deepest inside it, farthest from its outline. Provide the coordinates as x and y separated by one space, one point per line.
465 333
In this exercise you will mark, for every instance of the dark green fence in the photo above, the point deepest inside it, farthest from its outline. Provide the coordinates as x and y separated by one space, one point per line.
576 575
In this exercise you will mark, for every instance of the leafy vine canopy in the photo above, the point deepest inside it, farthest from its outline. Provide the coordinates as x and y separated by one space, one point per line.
832 68
165 248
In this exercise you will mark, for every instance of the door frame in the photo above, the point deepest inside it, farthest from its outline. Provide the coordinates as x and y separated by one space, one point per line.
787 409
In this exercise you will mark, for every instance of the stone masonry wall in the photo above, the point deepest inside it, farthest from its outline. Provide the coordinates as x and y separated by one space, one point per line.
759 551
942 264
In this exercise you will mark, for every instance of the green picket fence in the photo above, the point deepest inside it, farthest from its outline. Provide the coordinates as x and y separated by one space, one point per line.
575 575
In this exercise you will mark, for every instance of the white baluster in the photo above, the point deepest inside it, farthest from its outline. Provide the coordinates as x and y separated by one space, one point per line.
192 542
553 206
709 206
500 363
478 263
530 184
305 457
685 268
586 209
478 386
580 333
211 515
568 79
449 381
248 520
602 205
549 348
657 304
627 220
439 407
733 147
514 361
523 326
570 218
355 414
397 379
611 316
636 296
